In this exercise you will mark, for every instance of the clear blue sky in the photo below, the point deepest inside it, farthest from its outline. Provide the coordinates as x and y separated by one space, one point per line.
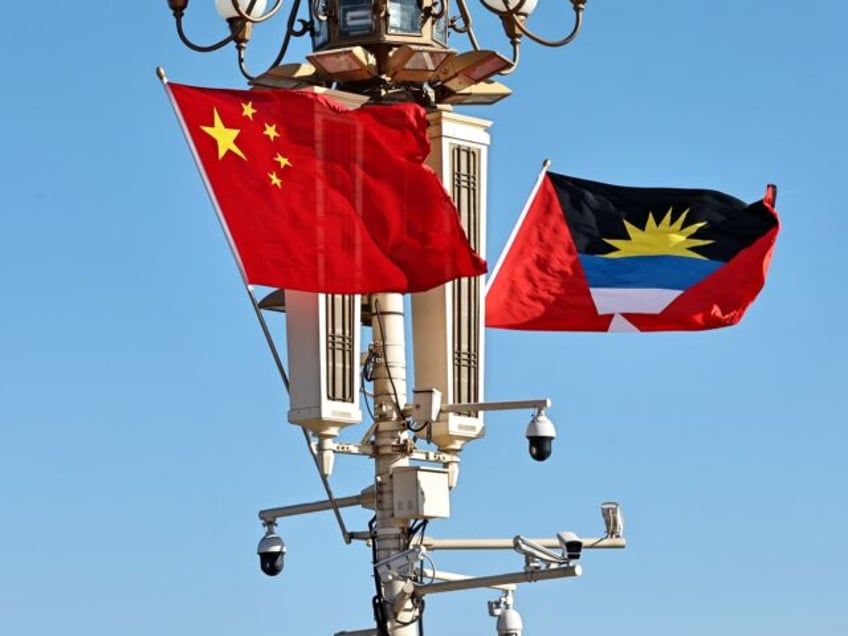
143 424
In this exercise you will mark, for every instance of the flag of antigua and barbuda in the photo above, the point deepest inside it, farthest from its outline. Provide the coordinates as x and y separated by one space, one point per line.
588 256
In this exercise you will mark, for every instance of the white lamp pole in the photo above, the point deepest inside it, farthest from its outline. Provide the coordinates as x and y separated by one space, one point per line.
389 533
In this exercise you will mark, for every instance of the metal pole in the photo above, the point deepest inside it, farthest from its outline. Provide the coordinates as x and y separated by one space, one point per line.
507 544
390 534
526 576
271 514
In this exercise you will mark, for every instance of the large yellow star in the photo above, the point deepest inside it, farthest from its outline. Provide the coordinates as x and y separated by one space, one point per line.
271 131
283 161
226 137
247 110
275 180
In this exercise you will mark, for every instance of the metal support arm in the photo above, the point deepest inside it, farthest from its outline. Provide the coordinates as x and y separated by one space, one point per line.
509 405
507 544
524 576
270 514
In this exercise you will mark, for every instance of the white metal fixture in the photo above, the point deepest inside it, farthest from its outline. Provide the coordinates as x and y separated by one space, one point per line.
613 519
537 556
323 342
400 565
421 492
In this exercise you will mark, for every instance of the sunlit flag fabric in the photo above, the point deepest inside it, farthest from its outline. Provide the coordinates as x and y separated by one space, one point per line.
588 256
316 197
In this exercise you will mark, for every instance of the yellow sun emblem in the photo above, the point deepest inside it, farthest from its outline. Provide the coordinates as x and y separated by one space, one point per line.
663 239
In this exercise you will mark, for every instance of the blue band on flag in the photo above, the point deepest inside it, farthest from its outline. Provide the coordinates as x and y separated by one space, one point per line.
659 272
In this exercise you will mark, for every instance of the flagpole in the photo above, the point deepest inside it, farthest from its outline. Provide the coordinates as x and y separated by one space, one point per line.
268 338
285 378
545 165
160 73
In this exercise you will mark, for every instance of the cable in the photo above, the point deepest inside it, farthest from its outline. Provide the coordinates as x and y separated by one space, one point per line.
370 362
416 429
367 375
365 392
378 604
418 527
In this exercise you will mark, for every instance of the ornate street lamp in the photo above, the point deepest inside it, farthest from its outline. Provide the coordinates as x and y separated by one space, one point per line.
385 49
399 50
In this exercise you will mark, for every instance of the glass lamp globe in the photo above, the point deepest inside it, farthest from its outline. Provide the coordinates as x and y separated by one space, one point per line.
522 7
226 11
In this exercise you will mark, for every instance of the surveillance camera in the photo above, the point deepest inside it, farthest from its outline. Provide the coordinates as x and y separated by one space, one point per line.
271 551
509 623
571 544
613 519
540 434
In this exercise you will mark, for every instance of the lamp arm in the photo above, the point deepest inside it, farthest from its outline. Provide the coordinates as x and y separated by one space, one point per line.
240 48
317 12
433 13
578 22
178 18
306 27
245 15
466 24
516 56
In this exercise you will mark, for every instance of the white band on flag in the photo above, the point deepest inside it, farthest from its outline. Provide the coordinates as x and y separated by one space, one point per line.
617 300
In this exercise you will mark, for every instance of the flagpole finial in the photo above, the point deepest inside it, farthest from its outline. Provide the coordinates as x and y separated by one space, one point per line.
771 194
160 73
546 164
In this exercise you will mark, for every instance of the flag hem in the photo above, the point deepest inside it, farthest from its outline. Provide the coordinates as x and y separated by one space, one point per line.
491 278
218 212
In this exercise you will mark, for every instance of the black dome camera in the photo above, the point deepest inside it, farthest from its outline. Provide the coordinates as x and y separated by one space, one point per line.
271 551
540 434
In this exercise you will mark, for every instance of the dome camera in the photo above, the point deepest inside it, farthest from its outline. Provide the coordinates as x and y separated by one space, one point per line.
510 623
540 434
271 551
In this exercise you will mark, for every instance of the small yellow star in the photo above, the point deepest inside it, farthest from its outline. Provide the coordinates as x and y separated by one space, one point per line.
226 137
247 110
275 180
271 131
283 161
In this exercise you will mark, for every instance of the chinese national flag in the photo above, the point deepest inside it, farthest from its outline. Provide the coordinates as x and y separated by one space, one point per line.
316 197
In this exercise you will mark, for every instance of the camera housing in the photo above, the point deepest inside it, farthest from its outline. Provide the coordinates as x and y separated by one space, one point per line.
613 519
271 551
540 435
510 623
509 620
571 544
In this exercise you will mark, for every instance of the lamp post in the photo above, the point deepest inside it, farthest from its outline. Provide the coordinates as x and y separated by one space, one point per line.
399 50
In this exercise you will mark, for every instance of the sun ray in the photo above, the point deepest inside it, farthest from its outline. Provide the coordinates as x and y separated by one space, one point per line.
665 238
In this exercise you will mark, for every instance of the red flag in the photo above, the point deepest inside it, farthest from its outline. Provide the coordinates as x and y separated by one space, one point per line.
316 197
589 256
